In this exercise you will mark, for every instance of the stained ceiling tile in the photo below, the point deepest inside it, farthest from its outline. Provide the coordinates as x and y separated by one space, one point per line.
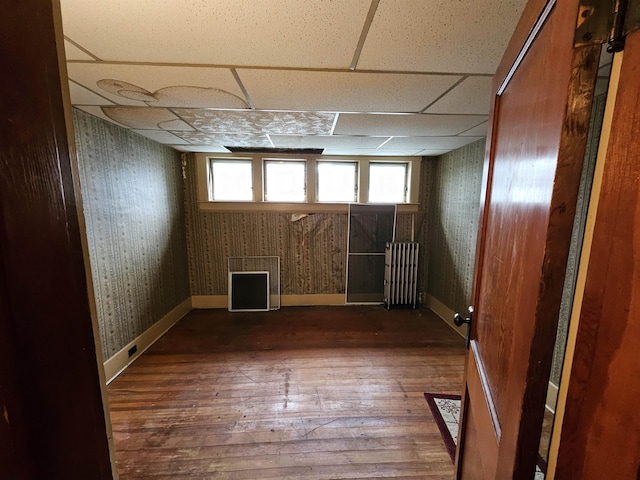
428 143
258 122
161 86
471 96
84 96
440 35
313 33
97 112
146 118
159 136
226 139
343 91
405 125
326 141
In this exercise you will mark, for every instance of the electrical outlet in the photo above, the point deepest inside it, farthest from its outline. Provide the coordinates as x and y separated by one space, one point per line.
133 350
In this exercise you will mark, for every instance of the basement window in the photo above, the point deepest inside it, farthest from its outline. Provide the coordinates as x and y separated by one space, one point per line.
337 182
285 181
388 182
230 180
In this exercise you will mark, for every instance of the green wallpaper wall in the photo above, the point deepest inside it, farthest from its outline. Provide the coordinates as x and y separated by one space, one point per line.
133 198
312 249
453 193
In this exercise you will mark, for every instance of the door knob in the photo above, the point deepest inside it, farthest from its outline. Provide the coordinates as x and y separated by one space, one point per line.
459 320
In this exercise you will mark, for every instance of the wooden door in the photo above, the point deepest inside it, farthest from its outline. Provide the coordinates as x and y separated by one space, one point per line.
539 123
600 436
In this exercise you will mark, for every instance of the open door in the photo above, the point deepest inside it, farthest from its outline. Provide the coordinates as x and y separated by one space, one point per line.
543 92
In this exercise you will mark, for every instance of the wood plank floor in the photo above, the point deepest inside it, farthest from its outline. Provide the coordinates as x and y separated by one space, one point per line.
301 393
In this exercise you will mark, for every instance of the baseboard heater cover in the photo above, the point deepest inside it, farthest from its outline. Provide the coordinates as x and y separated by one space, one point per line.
249 291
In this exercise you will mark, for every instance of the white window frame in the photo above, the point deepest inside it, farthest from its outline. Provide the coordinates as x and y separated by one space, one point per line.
356 186
210 160
311 205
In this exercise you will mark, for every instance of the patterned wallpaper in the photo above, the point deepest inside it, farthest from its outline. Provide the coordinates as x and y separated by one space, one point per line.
134 207
453 209
312 249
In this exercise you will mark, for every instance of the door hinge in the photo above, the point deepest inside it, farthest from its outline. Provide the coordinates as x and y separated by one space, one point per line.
606 21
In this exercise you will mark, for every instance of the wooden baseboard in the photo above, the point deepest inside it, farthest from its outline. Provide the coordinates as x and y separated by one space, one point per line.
221 301
121 360
552 398
445 313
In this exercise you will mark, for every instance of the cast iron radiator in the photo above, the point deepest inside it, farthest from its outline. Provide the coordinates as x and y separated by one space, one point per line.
401 275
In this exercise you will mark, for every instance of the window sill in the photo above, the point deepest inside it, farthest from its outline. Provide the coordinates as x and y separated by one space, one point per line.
243 207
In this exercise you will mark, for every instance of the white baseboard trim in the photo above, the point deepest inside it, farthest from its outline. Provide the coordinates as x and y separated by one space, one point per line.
121 360
221 301
552 398
445 313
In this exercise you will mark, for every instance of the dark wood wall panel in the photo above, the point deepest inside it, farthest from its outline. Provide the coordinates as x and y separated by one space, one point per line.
45 307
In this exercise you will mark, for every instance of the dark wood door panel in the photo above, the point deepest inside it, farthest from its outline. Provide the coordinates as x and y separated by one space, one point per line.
601 426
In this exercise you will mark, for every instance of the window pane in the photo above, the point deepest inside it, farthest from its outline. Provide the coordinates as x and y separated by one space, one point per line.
387 182
284 181
231 180
336 182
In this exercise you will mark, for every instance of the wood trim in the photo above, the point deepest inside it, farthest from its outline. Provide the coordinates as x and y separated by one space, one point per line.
115 365
221 301
445 313
584 261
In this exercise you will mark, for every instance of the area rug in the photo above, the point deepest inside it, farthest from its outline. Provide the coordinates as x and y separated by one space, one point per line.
446 413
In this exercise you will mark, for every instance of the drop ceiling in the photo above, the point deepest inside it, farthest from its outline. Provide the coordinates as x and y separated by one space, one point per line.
352 77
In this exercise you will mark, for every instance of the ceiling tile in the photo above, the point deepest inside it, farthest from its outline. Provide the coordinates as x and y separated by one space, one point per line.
226 139
161 86
71 52
326 141
83 96
146 118
159 136
97 112
201 148
440 35
428 143
313 33
478 131
405 125
471 96
276 123
371 152
343 91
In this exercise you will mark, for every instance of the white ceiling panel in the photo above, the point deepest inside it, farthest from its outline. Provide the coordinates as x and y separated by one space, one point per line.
440 35
257 122
343 91
326 141
371 152
471 96
310 33
161 86
428 143
146 118
72 52
97 112
201 148
405 125
84 96
166 138
479 131
226 139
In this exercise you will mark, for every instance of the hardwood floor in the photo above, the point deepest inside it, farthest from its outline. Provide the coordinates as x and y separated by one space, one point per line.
300 393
